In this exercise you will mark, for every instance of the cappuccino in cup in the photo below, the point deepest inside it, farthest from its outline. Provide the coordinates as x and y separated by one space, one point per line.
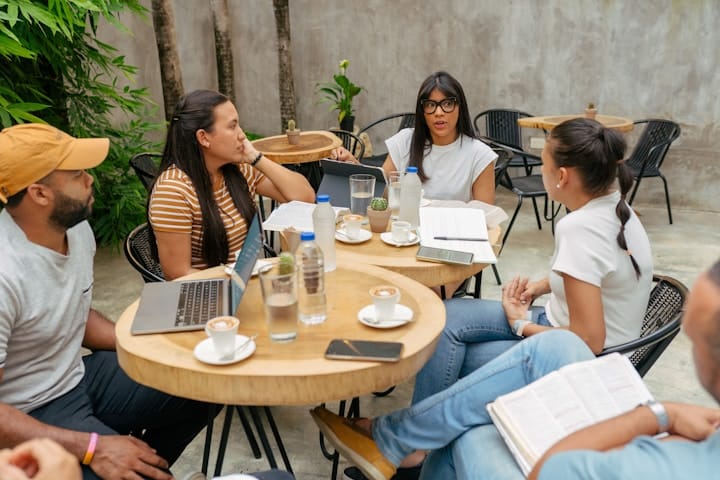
222 331
384 298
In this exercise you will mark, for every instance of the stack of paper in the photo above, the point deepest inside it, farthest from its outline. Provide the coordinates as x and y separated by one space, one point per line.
295 214
462 229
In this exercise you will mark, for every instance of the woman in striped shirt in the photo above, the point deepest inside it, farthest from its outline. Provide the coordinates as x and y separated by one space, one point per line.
203 200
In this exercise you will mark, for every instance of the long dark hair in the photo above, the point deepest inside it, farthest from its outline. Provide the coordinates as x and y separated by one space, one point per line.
193 112
598 154
421 143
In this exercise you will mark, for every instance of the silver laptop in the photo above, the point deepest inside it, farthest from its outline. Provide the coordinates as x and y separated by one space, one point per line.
188 305
336 183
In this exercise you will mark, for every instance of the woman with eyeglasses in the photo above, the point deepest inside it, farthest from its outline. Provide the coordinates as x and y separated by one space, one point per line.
452 163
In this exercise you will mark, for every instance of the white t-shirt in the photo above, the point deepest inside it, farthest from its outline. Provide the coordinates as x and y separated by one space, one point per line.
44 304
451 169
586 248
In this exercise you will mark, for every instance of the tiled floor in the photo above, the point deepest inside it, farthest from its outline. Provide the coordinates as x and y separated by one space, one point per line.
681 250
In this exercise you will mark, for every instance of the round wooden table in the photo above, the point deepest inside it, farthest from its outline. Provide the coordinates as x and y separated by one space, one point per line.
551 121
295 373
402 260
313 146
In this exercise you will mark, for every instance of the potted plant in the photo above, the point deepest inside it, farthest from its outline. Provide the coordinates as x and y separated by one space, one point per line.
339 94
590 111
293 134
378 214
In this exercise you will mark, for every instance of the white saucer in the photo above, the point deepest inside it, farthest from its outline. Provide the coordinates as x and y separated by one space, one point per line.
387 238
403 315
205 352
364 236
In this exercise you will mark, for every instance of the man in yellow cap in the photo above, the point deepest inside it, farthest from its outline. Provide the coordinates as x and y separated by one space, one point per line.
47 388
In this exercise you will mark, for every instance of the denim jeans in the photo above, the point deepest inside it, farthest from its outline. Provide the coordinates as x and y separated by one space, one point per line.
476 331
108 402
440 419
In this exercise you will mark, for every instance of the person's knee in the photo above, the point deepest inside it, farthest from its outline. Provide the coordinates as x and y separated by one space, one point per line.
563 344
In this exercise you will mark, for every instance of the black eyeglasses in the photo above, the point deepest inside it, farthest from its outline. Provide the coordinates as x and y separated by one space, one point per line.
447 104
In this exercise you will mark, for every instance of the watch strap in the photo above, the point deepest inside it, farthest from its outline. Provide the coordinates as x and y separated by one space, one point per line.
661 415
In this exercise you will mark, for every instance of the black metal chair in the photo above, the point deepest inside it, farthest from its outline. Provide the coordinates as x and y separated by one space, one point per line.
146 167
138 252
649 152
500 125
351 142
383 128
660 325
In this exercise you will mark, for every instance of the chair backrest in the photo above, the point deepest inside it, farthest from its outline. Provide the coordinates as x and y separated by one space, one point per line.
139 253
146 167
653 144
351 142
407 120
500 124
660 325
502 163
383 128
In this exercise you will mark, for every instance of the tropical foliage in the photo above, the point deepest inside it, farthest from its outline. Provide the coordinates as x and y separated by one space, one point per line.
55 70
339 94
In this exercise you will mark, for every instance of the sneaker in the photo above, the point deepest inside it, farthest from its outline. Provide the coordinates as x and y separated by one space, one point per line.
353 444
409 473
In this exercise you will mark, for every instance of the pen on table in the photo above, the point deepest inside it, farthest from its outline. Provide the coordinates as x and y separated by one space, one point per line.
464 239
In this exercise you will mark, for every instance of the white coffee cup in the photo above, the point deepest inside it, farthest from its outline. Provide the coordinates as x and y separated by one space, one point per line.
222 331
353 224
385 298
400 231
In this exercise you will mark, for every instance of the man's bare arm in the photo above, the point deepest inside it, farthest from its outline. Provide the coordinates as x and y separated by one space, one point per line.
99 332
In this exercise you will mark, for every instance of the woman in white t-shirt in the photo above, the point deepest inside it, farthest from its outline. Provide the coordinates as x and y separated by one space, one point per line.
452 164
601 270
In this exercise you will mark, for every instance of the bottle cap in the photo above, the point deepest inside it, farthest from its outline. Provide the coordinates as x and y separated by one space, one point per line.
411 170
323 198
305 236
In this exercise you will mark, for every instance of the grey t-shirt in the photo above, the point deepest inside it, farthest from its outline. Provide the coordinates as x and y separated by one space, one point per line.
44 304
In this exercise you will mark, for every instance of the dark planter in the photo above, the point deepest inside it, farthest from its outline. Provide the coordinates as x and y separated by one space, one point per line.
348 123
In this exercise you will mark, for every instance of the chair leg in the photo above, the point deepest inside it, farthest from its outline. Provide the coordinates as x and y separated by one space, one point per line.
497 274
667 197
512 220
634 190
537 212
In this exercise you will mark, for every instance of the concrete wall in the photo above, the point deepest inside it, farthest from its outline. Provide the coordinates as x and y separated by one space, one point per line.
633 59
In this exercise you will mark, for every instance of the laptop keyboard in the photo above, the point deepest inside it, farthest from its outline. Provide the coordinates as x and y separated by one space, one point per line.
199 302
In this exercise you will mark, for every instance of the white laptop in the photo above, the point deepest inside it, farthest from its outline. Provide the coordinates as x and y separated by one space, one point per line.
188 305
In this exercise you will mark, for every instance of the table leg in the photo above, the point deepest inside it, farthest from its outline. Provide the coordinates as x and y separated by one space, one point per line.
208 439
278 439
263 438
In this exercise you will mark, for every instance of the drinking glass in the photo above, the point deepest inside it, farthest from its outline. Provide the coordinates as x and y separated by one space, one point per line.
362 190
394 194
279 291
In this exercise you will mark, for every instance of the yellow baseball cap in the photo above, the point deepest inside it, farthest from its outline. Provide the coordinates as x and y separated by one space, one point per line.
31 151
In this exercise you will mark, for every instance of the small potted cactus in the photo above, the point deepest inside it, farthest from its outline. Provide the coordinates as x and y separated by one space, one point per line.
293 134
590 111
378 214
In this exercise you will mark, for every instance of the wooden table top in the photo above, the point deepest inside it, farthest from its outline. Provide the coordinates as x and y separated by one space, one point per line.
551 121
402 260
295 373
313 146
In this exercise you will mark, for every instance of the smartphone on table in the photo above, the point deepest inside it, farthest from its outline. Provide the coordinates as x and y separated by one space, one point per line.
443 255
347 349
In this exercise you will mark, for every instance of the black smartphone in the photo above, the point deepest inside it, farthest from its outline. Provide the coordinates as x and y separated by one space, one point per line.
443 255
345 349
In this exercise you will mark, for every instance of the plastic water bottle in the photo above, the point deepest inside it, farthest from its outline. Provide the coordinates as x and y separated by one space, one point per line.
323 217
410 193
312 305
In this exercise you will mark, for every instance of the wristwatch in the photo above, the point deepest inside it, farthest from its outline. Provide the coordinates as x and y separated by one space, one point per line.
660 413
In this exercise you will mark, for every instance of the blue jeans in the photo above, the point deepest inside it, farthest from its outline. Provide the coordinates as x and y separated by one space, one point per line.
108 402
440 419
476 332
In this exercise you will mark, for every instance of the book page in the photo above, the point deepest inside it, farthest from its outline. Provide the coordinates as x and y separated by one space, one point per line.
537 416
493 214
295 214
457 223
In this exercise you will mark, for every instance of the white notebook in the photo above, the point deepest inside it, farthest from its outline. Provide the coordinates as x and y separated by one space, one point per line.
468 223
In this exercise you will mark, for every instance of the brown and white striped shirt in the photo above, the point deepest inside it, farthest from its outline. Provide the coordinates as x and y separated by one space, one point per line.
174 208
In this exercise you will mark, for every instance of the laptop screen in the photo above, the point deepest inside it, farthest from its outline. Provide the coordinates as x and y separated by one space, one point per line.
336 180
245 261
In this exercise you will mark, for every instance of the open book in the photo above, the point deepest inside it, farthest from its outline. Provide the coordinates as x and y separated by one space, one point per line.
440 227
533 418
294 214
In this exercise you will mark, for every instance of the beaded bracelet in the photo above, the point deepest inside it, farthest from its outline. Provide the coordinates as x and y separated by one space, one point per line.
90 449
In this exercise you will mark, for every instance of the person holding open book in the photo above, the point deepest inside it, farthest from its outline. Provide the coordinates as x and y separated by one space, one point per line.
601 270
456 425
